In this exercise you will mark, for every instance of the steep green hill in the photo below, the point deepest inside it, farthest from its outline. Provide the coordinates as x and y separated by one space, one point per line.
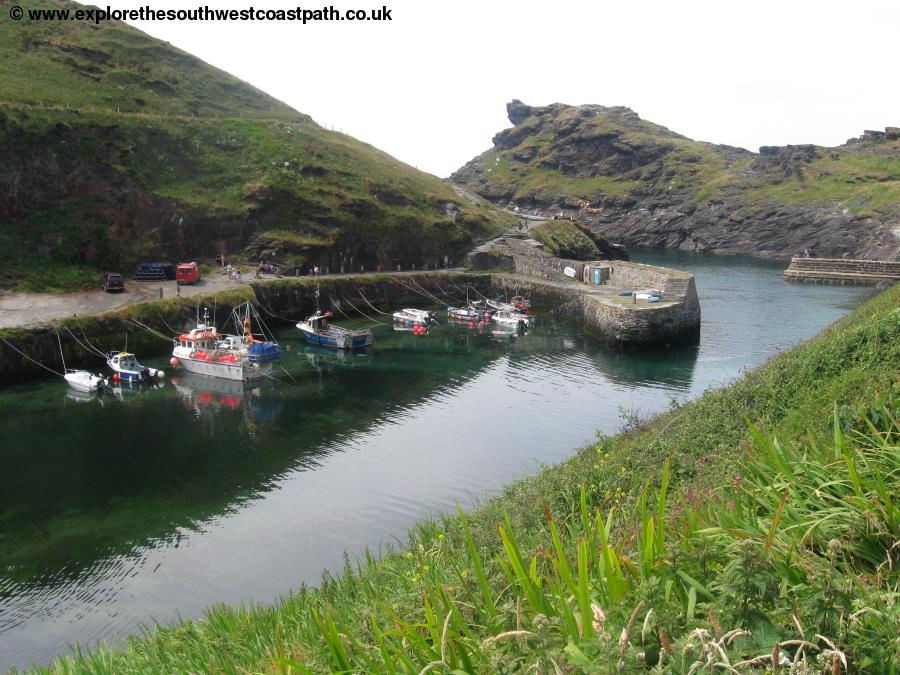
640 184
116 147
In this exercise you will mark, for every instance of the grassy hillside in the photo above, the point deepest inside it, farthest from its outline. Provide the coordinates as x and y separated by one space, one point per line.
114 66
116 148
758 522
639 183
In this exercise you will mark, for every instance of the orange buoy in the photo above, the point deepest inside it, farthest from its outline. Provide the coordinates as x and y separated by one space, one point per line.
471 324
174 362
116 378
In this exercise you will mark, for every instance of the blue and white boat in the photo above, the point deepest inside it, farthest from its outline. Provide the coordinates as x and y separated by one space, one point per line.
126 366
318 330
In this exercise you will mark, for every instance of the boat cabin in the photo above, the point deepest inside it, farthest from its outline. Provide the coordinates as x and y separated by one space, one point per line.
202 337
125 361
320 321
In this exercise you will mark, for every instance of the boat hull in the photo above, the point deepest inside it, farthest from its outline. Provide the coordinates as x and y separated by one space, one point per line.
238 371
336 340
83 381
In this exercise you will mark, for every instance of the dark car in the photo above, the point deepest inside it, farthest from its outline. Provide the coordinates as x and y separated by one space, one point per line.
112 281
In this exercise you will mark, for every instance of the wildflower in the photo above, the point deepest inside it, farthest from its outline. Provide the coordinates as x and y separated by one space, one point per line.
599 617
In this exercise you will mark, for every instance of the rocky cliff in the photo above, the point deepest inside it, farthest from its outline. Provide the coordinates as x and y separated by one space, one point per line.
640 184
116 147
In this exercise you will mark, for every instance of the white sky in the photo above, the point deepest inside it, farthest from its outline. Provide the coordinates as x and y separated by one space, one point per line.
430 87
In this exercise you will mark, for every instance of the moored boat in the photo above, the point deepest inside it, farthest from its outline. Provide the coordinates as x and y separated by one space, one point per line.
500 306
465 314
516 319
82 380
414 316
205 351
126 368
318 330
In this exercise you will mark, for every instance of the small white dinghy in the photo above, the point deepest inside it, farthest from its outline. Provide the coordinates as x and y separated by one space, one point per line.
82 380
515 319
412 315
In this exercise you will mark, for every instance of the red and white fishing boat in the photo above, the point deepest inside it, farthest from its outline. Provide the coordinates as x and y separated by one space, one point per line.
205 351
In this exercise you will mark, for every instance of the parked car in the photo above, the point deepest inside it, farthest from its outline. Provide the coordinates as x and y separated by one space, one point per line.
112 281
187 273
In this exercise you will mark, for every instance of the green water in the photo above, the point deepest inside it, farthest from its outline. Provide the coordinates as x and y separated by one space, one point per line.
140 505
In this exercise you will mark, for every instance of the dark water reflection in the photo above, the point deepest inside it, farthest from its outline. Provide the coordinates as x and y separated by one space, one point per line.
150 504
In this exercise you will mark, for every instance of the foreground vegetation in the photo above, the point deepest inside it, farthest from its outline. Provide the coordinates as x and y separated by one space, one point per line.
757 525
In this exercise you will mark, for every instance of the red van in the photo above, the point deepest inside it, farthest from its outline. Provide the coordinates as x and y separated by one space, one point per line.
187 273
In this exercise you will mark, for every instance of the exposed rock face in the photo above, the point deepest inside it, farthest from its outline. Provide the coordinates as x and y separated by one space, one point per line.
639 184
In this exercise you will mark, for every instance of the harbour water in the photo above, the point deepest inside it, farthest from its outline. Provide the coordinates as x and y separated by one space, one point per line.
146 505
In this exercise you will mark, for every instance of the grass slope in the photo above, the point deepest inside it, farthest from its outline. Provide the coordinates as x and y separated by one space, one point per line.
113 66
758 522
116 147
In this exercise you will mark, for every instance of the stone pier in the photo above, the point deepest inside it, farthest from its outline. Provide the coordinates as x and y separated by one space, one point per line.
617 319
843 271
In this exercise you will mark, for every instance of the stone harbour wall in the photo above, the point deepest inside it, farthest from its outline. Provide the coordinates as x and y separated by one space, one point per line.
843 271
675 320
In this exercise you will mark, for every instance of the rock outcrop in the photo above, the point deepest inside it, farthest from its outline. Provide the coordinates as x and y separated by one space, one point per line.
640 184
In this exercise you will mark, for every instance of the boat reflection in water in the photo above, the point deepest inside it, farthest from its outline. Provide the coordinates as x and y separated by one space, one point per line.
322 357
125 390
507 333
209 397
83 396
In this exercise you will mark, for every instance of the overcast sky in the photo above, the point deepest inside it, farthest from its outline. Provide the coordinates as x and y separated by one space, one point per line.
430 86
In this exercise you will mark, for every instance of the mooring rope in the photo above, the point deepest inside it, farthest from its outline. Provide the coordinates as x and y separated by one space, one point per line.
464 293
370 304
357 309
410 288
38 363
173 331
445 293
90 350
268 311
150 330
94 347
425 290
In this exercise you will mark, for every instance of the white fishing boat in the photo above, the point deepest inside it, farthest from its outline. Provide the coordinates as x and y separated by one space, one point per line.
205 351
500 306
126 368
414 316
82 380
506 318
